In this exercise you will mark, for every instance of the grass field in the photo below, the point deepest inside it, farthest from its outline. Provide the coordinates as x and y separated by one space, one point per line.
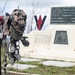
47 70
42 69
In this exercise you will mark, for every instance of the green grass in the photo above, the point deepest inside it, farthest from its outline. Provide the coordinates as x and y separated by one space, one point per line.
42 69
2 52
48 70
29 63
2 55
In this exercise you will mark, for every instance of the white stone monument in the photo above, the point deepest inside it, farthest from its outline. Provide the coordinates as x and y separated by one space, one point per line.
57 41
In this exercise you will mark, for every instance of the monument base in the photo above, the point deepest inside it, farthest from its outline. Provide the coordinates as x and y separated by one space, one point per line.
56 42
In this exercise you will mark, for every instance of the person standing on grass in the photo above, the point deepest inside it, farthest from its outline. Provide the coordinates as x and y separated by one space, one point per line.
1 36
3 31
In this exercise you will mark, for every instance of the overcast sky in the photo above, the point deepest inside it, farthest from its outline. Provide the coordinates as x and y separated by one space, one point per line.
27 4
40 7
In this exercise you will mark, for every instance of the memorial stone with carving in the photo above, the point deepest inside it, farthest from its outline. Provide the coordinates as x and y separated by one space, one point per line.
57 41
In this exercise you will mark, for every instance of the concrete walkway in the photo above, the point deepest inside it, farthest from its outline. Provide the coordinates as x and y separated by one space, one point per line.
29 59
58 63
20 66
46 63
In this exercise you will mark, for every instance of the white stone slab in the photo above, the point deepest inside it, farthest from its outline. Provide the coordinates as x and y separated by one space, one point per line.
58 63
20 66
29 59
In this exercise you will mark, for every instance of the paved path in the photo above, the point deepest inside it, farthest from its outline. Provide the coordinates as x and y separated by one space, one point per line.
46 63
21 66
58 63
29 59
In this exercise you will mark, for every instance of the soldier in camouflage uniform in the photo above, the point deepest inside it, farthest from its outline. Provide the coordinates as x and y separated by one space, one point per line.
13 29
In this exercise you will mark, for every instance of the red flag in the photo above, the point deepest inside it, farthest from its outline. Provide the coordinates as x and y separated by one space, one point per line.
1 17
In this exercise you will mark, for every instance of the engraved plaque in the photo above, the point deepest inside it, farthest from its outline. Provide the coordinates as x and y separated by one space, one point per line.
62 15
42 38
61 37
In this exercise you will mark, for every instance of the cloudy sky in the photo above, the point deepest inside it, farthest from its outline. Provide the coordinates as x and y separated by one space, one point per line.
39 7
26 5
